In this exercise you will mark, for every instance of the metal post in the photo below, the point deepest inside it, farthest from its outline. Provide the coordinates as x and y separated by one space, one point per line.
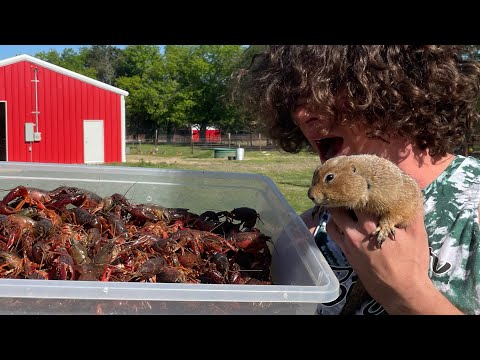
35 80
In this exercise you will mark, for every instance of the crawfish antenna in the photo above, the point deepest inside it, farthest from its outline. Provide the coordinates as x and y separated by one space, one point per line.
135 183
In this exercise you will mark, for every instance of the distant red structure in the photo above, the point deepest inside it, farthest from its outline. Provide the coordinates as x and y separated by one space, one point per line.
212 134
54 115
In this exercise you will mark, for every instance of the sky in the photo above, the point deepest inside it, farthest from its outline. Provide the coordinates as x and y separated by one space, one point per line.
7 51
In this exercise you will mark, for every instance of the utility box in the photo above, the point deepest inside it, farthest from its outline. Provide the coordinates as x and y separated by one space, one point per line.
29 133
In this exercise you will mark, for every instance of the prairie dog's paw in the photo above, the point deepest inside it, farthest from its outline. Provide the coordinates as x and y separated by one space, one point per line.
383 232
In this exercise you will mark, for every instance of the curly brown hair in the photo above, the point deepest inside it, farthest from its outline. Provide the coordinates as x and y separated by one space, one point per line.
427 94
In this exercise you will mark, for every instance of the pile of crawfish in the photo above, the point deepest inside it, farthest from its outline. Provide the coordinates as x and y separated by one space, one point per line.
71 233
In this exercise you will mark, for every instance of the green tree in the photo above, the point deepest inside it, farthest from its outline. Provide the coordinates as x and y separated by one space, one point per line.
245 120
156 99
203 72
70 59
104 59
136 59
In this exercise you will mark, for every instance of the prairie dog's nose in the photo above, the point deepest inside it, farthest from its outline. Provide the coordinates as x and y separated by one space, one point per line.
310 194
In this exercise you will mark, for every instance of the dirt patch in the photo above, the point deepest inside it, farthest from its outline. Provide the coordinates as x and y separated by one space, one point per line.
277 163
172 160
153 159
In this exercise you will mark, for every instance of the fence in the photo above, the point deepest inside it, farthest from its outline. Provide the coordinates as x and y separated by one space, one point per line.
253 142
247 141
473 147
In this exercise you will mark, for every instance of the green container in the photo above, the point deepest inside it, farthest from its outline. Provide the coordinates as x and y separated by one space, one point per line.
223 152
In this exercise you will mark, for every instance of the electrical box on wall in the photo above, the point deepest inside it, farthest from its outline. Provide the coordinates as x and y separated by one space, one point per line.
29 133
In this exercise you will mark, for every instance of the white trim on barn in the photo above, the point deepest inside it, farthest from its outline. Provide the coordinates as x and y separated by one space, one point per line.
123 126
197 127
25 57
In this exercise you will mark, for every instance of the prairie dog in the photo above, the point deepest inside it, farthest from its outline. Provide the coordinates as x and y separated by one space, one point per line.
369 183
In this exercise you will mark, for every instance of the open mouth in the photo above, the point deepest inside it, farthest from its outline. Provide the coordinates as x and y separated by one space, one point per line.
329 147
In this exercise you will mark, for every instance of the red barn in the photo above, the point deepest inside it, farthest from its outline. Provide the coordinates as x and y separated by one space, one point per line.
54 115
212 134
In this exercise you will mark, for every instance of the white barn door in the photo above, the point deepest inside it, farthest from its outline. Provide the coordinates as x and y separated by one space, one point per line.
93 149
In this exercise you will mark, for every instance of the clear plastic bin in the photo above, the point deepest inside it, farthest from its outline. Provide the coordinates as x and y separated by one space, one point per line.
302 277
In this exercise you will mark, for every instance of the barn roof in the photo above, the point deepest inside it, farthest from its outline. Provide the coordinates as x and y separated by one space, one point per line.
63 71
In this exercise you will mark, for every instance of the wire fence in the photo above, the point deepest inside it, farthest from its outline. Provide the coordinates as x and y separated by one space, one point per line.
253 141
247 141
473 147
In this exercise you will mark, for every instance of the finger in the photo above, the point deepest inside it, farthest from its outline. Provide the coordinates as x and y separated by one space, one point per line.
361 221
335 234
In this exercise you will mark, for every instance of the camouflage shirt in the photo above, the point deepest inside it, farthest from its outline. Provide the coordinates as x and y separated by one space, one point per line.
451 205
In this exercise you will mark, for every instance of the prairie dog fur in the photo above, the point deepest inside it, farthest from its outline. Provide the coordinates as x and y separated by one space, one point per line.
369 183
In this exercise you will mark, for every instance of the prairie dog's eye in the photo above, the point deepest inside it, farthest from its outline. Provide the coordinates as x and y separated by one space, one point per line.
329 178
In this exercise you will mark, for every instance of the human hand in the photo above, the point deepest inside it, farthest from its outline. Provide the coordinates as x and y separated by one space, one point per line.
396 275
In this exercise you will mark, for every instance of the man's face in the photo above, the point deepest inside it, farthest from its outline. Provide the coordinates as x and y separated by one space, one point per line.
331 139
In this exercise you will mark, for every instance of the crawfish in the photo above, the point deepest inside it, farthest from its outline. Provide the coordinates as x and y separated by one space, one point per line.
189 260
145 240
12 261
92 272
41 251
107 253
154 213
198 241
149 268
81 197
207 221
31 196
5 209
45 249
116 223
213 276
78 252
90 199
62 190
19 191
158 228
62 266
18 265
107 203
176 274
92 239
234 275
84 218
18 226
221 262
247 216
250 241
43 228
39 195
60 202
165 246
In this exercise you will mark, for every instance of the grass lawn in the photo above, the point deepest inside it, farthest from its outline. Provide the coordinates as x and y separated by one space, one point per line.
292 173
